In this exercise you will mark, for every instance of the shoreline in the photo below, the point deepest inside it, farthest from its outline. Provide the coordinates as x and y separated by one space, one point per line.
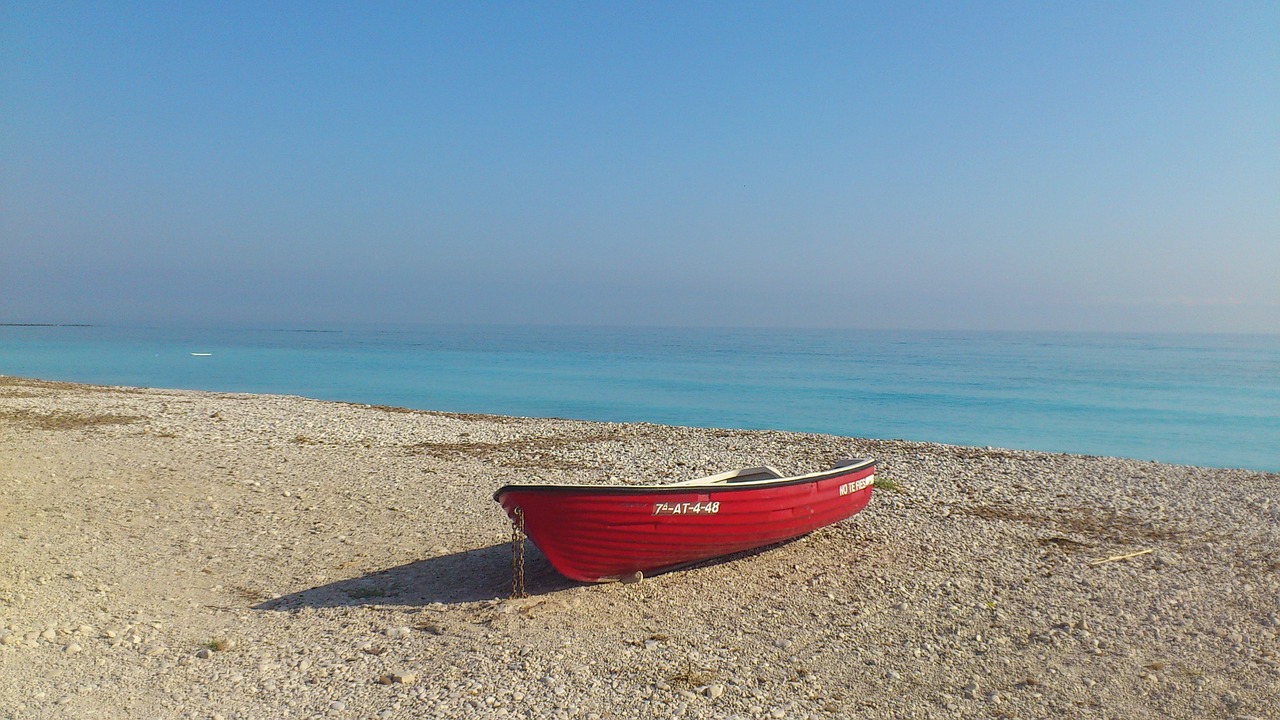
184 553
1120 395
396 408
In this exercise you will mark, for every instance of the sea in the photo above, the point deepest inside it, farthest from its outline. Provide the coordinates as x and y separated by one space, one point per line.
1208 400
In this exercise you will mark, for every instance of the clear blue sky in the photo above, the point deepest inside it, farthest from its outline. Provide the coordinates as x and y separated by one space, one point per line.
1013 165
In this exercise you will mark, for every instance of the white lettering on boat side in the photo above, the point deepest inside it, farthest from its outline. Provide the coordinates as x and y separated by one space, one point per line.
856 485
698 508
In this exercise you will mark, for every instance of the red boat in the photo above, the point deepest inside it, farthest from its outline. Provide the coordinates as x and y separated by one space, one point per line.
597 533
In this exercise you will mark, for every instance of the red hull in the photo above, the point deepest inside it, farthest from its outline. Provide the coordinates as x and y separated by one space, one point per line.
595 533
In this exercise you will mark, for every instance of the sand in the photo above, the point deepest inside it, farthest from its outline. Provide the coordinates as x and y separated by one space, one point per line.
176 554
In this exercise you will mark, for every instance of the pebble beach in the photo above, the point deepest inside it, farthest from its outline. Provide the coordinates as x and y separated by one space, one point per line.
177 554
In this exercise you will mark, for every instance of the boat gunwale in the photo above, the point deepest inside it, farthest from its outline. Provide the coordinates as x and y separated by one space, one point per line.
848 466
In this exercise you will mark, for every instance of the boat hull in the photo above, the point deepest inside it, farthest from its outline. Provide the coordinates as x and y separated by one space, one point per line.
600 533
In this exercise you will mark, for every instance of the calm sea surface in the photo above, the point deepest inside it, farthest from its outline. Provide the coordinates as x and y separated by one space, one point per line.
1197 399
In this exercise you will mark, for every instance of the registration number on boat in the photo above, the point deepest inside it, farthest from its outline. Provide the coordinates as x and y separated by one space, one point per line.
856 485
685 508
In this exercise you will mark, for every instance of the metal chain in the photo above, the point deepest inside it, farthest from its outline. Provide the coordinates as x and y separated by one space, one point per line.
517 554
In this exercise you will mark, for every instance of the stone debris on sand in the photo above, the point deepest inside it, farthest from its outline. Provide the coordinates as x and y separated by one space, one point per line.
186 554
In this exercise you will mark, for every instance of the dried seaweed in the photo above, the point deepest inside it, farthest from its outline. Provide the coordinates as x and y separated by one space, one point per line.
65 420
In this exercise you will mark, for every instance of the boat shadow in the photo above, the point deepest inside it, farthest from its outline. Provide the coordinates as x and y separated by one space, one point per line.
460 577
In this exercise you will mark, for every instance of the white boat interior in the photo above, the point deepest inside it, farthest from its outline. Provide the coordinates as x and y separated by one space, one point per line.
752 474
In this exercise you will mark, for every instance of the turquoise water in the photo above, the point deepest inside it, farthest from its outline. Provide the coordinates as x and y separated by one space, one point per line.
1209 400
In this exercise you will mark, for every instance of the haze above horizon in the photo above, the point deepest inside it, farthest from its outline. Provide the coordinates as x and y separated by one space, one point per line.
985 166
